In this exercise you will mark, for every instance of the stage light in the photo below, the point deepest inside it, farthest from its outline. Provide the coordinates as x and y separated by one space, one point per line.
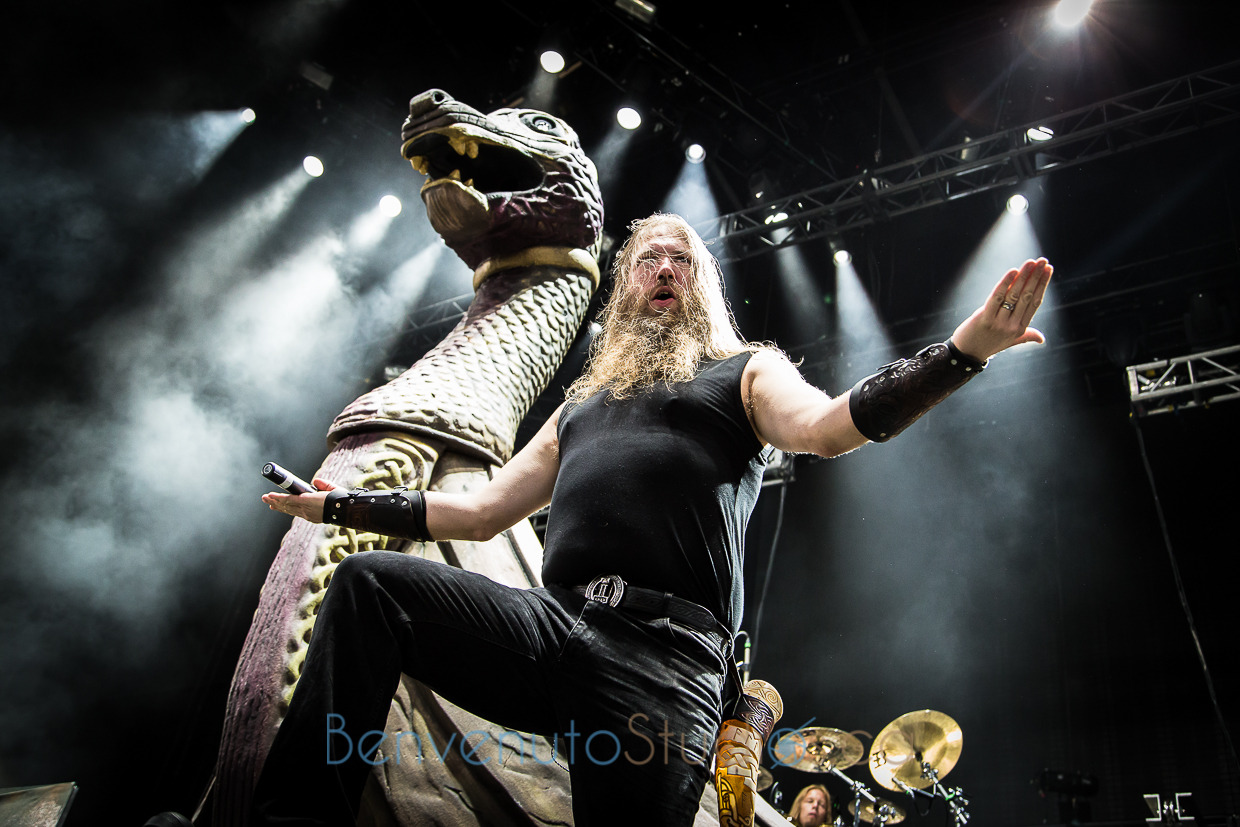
842 257
313 166
390 205
638 9
1018 204
759 183
774 217
1039 133
248 115
628 117
1069 13
552 61
695 153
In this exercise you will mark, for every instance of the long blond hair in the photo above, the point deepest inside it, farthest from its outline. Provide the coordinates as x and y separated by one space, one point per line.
794 814
634 350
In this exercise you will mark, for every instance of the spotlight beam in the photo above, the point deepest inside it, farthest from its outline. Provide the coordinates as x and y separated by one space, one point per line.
691 195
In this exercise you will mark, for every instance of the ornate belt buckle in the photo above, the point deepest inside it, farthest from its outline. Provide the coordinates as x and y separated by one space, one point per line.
606 589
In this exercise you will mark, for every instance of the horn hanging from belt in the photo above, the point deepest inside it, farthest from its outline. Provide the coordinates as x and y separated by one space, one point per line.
738 750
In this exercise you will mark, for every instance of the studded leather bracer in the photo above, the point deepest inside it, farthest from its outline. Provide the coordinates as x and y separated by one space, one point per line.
885 403
398 512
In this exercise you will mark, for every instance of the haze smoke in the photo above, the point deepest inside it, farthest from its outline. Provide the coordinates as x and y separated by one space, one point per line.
131 478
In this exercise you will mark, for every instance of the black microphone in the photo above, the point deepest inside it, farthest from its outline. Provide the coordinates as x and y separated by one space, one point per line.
287 480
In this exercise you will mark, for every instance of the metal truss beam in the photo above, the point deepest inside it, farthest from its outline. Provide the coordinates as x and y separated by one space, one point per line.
424 327
1201 379
1136 119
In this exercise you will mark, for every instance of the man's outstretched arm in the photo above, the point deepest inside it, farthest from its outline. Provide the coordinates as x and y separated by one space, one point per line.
794 416
519 488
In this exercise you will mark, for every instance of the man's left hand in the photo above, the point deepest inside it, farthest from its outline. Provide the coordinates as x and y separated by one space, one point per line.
308 506
1003 321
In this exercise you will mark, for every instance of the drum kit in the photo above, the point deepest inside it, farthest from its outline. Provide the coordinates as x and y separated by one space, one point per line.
911 755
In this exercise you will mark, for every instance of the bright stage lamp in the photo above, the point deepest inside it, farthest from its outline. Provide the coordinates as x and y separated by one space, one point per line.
1018 204
313 166
552 62
390 205
1070 13
628 117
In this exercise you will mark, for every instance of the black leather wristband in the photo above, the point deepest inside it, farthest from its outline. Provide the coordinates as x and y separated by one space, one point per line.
885 403
399 512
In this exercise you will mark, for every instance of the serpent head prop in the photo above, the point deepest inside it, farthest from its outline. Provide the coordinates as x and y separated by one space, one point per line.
512 193
514 183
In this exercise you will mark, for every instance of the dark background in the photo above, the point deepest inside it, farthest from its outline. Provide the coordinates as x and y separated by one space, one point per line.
180 304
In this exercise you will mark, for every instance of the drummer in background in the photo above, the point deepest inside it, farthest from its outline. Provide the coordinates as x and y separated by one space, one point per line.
811 807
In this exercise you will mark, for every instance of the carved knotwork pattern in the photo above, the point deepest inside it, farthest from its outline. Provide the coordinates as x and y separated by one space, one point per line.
766 693
757 714
388 463
736 774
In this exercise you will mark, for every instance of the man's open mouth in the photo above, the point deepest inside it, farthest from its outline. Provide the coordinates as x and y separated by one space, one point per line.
663 298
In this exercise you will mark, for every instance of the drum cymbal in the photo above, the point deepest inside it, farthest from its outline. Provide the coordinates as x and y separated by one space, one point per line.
894 813
765 779
818 749
902 746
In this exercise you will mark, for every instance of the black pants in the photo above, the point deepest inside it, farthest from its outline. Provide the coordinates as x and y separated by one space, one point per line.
568 665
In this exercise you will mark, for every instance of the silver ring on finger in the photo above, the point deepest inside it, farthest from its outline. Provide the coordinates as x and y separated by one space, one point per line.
1007 305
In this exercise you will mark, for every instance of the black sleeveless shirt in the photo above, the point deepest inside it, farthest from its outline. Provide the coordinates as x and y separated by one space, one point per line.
658 488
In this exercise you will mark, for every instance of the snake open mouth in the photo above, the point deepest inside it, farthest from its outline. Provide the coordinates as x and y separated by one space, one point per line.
475 162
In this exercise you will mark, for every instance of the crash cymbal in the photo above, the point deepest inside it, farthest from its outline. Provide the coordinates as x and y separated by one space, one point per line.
894 813
818 749
765 779
902 746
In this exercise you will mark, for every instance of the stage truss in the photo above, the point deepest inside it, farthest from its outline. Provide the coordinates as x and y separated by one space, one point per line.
1198 380
1146 116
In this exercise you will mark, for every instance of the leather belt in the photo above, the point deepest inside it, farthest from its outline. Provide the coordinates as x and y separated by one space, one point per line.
613 591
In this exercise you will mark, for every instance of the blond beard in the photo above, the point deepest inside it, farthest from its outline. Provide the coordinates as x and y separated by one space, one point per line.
637 350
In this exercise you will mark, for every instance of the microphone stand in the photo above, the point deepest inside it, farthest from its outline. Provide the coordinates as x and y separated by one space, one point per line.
953 798
859 791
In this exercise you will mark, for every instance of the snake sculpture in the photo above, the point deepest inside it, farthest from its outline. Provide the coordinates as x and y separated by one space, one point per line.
514 195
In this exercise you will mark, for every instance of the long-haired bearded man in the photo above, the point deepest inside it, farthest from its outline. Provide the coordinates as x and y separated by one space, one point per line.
651 468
